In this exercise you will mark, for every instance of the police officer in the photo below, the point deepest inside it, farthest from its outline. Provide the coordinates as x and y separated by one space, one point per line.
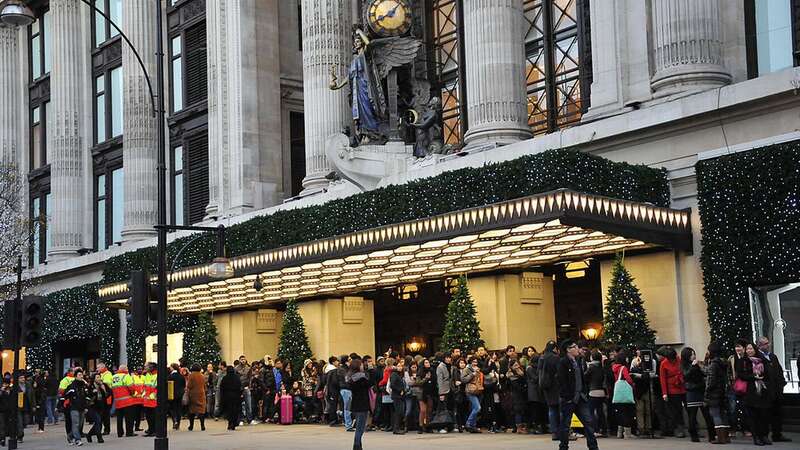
150 397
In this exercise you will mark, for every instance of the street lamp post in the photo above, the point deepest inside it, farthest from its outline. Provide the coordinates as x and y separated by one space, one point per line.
16 13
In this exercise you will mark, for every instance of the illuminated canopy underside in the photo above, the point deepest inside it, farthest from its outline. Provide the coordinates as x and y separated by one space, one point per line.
532 231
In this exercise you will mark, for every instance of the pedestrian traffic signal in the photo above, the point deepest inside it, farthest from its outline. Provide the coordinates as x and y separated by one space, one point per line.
142 310
10 324
31 323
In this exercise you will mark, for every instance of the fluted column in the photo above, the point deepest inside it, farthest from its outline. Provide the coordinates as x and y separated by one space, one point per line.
66 172
217 107
687 44
139 147
327 42
495 72
9 96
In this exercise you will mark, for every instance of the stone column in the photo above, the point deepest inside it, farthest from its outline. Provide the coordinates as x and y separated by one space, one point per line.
9 96
139 149
217 108
495 70
687 46
326 43
66 144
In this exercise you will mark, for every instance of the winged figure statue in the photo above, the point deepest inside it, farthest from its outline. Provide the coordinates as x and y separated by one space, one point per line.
372 63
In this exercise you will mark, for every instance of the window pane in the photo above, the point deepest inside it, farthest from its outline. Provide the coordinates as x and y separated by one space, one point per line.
101 212
47 47
773 35
116 14
177 84
36 146
117 204
35 211
36 115
177 162
101 224
47 241
48 121
99 23
36 58
100 123
116 101
101 186
176 46
179 199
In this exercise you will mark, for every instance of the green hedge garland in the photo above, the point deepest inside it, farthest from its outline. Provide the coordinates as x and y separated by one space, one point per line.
450 191
750 210
72 314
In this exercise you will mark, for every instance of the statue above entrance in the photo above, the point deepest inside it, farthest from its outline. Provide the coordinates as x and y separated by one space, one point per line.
394 116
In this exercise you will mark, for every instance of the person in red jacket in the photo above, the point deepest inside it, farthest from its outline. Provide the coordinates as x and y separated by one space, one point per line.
673 390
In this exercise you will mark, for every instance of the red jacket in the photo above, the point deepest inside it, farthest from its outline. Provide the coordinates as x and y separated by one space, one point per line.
671 377
626 375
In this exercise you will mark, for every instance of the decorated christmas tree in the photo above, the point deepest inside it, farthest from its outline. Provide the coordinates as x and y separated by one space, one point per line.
294 345
625 321
205 348
461 329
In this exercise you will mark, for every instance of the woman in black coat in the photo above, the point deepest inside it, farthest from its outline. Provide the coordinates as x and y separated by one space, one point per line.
716 395
758 400
694 378
536 408
231 392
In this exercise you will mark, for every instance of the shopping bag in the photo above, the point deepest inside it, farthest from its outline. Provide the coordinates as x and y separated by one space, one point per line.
623 392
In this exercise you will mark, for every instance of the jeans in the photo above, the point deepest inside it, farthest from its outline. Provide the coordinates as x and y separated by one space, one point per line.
247 405
644 414
77 425
580 409
475 404
50 407
719 414
361 424
554 418
596 405
347 398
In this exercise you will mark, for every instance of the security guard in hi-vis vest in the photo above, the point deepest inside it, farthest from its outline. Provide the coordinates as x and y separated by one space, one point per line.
150 397
122 387
138 398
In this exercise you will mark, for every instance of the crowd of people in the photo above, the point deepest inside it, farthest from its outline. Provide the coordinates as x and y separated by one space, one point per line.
622 393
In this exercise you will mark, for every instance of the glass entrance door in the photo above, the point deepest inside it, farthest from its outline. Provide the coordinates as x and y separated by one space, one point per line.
775 312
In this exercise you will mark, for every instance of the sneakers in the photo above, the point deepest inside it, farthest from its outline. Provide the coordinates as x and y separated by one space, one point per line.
253 422
443 431
241 424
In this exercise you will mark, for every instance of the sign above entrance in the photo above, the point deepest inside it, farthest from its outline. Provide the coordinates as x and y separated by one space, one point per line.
527 232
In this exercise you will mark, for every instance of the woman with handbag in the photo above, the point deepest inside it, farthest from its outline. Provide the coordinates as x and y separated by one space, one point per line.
695 379
740 418
622 399
519 394
758 400
472 379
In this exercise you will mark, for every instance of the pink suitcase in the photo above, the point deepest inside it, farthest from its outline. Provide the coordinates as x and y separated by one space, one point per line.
287 409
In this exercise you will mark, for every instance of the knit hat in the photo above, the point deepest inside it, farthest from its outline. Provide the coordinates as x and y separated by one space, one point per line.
306 362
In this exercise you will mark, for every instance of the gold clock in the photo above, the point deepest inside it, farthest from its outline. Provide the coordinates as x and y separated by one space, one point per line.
389 17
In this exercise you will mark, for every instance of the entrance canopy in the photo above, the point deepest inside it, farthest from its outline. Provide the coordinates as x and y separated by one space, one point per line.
538 230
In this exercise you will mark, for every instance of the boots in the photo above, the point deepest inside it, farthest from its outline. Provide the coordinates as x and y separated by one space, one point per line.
202 423
722 437
712 434
100 439
191 422
628 433
694 436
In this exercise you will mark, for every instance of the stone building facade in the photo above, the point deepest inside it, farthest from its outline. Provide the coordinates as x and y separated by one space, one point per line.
664 83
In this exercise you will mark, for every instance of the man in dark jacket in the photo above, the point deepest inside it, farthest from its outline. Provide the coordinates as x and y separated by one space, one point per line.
268 377
574 393
178 386
548 383
398 385
777 381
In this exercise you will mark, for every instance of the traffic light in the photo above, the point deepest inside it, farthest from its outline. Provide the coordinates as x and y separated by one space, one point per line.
10 324
142 310
31 323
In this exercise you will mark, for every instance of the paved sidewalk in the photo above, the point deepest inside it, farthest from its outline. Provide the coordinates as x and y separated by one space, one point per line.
315 437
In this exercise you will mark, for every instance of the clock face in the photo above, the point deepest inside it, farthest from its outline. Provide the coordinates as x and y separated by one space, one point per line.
389 17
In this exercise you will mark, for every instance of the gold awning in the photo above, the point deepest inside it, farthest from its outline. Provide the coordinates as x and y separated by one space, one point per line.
532 231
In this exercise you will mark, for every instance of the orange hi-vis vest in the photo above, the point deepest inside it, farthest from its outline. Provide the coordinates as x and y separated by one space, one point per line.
121 388
138 389
150 390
